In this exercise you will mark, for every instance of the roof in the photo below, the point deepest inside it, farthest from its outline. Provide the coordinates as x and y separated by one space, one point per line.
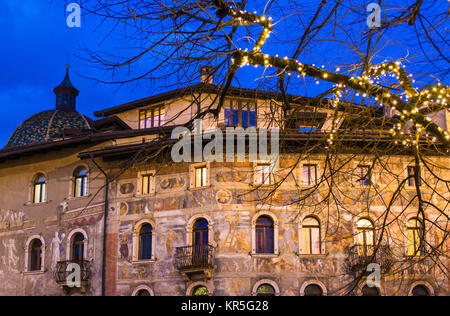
47 126
201 88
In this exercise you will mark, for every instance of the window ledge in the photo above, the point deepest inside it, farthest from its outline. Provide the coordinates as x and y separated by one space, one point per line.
40 272
312 256
37 204
73 198
143 261
200 188
140 195
265 255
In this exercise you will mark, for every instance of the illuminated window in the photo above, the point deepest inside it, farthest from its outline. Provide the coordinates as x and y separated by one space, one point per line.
35 255
145 242
240 113
309 174
200 232
146 184
265 290
200 290
415 237
78 247
311 236
365 238
200 175
411 176
263 174
80 182
39 188
363 175
153 117
265 242
307 129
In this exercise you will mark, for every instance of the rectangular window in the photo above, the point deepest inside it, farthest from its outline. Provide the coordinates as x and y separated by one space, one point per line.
146 184
263 174
411 177
307 129
39 193
311 240
310 174
153 117
363 175
200 174
240 113
80 186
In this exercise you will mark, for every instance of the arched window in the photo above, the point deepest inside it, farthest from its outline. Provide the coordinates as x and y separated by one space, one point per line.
200 290
313 290
143 293
200 232
80 182
145 242
265 290
415 237
365 237
370 291
311 236
420 290
78 247
35 255
39 188
264 235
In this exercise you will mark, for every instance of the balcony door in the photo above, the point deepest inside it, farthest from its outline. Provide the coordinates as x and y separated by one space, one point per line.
78 248
200 242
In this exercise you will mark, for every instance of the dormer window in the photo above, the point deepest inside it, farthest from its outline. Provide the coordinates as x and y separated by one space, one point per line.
240 113
152 117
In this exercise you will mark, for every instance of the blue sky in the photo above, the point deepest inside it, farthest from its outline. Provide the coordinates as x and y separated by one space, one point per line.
37 44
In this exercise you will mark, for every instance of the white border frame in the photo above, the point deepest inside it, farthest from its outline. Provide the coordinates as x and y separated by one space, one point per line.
139 182
27 254
69 243
190 228
423 283
275 233
192 168
300 236
143 287
136 230
265 281
313 282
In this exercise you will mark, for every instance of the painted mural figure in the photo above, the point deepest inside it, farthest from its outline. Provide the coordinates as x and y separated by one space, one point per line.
57 248
10 259
124 252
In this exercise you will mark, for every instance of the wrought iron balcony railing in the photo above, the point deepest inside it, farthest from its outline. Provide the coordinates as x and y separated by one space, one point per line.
62 273
359 257
193 257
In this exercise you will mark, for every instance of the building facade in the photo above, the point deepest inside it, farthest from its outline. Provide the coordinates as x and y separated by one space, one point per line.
106 196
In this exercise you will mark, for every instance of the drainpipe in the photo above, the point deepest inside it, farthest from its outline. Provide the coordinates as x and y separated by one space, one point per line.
105 226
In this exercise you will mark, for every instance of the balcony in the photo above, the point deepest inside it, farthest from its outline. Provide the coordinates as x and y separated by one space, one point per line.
360 257
195 261
66 275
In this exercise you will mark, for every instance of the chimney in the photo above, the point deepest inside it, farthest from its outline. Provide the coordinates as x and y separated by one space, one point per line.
206 74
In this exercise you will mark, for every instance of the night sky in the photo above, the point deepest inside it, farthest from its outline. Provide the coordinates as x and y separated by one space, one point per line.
37 44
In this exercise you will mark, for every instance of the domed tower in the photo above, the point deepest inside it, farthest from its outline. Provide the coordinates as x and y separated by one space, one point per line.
66 94
53 125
